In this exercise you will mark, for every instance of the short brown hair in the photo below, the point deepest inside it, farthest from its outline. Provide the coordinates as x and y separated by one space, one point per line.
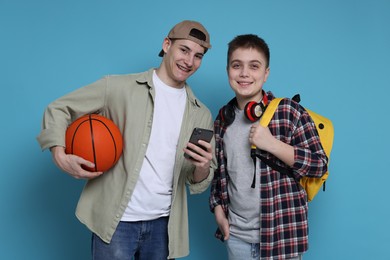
248 41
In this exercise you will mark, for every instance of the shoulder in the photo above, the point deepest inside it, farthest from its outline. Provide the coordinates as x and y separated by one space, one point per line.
291 111
288 105
128 80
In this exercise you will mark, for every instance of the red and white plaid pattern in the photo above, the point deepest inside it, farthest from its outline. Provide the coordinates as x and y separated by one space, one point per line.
284 225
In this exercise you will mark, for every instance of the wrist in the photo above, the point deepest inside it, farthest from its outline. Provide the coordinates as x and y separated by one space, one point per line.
200 174
57 151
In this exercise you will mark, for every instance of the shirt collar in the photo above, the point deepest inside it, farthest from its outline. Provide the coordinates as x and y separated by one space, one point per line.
147 78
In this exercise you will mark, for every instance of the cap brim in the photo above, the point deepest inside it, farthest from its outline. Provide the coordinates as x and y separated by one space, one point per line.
161 54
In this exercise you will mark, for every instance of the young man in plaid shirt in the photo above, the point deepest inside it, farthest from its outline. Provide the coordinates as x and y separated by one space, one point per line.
261 213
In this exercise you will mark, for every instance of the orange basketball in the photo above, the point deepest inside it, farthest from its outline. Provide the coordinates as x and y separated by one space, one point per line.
95 138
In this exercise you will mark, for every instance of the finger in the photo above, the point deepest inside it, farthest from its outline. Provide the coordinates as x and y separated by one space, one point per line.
194 150
83 169
205 144
202 156
195 158
201 146
225 231
89 175
82 161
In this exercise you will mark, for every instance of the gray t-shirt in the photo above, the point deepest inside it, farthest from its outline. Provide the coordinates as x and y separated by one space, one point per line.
244 207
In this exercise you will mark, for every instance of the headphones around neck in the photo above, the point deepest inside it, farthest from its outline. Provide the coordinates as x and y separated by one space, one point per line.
253 110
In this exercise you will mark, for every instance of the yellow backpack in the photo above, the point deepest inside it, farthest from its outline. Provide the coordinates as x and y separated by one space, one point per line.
326 133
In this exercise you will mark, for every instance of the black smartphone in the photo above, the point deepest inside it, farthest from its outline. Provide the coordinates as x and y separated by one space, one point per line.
200 134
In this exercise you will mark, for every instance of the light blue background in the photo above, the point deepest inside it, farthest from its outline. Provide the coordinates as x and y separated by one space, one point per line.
334 53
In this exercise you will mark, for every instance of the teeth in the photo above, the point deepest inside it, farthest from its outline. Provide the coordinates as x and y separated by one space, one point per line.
244 83
183 68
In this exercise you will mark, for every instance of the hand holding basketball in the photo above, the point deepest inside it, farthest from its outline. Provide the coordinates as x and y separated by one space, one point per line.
96 139
73 164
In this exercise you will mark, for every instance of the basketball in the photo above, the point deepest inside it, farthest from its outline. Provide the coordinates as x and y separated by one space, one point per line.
95 138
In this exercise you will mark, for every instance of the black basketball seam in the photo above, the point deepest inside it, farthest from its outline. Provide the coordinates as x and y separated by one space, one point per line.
112 137
74 134
93 142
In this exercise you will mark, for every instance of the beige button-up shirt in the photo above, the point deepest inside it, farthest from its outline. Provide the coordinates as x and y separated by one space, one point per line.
128 101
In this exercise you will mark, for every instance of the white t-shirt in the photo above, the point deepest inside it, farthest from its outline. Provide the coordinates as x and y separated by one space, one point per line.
151 198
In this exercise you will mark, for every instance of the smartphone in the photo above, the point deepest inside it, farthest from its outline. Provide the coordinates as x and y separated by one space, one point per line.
200 134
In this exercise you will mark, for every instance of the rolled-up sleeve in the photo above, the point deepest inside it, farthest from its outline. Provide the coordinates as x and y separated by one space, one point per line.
61 112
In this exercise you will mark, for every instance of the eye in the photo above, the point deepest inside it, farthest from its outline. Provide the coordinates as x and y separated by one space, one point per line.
255 66
199 56
235 65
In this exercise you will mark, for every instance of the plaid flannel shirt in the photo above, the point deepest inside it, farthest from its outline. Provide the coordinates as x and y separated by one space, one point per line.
284 225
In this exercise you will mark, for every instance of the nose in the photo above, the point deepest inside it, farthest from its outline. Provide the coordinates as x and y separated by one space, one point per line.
189 60
244 71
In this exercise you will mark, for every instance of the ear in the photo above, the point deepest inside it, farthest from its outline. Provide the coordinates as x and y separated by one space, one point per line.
166 44
267 71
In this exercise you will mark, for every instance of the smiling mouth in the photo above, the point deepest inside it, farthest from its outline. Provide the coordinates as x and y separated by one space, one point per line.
185 69
244 83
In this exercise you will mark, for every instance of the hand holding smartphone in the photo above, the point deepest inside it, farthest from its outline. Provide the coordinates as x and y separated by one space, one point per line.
199 134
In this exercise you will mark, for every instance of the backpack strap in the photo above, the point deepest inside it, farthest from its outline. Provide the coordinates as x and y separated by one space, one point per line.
269 112
264 121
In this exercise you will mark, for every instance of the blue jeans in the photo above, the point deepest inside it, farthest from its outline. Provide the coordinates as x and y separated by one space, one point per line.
240 250
140 240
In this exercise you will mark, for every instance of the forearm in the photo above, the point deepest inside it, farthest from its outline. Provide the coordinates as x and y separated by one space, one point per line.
283 151
200 174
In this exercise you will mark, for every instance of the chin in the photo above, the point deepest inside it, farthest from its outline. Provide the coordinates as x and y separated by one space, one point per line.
182 76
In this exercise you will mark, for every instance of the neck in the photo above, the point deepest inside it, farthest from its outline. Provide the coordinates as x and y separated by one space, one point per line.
164 77
241 102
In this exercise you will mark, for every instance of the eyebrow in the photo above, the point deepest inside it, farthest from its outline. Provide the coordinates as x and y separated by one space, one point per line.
251 61
189 49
